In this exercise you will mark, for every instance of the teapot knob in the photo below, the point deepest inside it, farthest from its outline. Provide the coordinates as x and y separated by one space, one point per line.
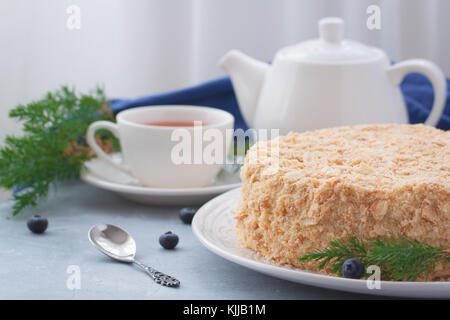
331 29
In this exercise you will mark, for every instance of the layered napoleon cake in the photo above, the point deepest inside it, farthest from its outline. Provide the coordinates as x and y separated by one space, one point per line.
300 191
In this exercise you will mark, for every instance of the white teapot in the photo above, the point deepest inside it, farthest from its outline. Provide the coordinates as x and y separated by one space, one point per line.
326 82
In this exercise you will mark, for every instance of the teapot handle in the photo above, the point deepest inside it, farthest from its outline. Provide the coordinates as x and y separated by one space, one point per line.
397 72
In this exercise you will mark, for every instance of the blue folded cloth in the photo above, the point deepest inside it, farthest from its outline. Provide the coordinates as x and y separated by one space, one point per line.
417 92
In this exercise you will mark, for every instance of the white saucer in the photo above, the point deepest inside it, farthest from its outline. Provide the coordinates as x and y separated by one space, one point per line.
214 226
101 174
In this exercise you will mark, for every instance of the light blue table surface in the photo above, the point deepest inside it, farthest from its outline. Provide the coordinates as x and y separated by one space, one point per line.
35 266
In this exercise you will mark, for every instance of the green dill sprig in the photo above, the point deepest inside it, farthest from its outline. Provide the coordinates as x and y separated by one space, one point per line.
52 147
399 259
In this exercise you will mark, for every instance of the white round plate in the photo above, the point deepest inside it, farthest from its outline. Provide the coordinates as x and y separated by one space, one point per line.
101 174
214 226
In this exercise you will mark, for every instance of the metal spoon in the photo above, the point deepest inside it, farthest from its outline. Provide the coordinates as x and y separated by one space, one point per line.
116 243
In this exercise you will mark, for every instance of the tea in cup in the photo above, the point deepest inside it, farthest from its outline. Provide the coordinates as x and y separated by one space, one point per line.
169 146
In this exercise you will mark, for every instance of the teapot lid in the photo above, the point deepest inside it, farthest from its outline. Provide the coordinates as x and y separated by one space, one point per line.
330 47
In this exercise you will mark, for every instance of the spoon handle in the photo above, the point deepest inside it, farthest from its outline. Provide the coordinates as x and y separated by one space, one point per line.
159 277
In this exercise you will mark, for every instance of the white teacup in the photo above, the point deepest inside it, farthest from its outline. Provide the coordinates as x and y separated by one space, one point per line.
158 155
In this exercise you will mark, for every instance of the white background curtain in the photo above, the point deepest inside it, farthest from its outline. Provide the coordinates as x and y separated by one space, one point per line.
141 47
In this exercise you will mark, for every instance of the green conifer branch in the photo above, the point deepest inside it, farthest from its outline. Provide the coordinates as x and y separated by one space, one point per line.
52 148
399 259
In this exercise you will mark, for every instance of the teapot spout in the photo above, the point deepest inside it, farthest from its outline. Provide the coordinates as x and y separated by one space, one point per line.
247 76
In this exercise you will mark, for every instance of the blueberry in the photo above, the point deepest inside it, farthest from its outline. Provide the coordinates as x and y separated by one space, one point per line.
168 240
19 190
37 224
187 214
353 269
